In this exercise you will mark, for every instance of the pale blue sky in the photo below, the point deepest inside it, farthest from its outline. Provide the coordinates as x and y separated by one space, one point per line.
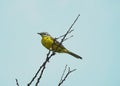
96 39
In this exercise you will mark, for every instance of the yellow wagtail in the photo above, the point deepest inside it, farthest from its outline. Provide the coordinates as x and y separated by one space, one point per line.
51 44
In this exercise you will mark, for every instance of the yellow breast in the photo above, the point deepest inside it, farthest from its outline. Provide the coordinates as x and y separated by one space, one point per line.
47 42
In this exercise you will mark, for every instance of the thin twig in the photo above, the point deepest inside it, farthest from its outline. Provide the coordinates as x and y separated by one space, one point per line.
49 55
63 73
44 66
69 30
64 35
68 38
17 82
63 79
41 68
35 75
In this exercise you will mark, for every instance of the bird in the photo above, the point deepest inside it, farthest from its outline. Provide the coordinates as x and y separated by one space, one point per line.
52 44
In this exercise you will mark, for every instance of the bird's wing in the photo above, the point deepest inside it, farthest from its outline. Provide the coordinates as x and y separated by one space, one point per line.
58 43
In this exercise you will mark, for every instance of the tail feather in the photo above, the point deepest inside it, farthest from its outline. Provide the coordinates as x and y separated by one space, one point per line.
75 55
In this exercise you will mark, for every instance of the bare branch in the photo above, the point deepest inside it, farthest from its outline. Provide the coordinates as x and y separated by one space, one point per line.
64 34
17 82
41 68
63 73
68 38
48 57
69 30
64 78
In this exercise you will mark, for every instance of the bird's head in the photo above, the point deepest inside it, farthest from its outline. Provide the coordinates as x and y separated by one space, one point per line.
44 34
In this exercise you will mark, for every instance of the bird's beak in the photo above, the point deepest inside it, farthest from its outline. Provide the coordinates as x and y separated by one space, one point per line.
39 33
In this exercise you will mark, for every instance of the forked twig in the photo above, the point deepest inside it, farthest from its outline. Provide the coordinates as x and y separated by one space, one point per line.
63 78
63 74
49 55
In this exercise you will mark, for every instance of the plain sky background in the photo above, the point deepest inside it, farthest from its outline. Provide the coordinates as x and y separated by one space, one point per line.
96 39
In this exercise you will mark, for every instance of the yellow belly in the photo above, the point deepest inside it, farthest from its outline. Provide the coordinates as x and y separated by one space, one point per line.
48 43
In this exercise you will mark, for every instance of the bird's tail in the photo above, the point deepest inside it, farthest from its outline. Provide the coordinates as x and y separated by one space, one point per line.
75 55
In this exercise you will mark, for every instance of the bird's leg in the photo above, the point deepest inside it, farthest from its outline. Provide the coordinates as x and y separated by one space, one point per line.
53 53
